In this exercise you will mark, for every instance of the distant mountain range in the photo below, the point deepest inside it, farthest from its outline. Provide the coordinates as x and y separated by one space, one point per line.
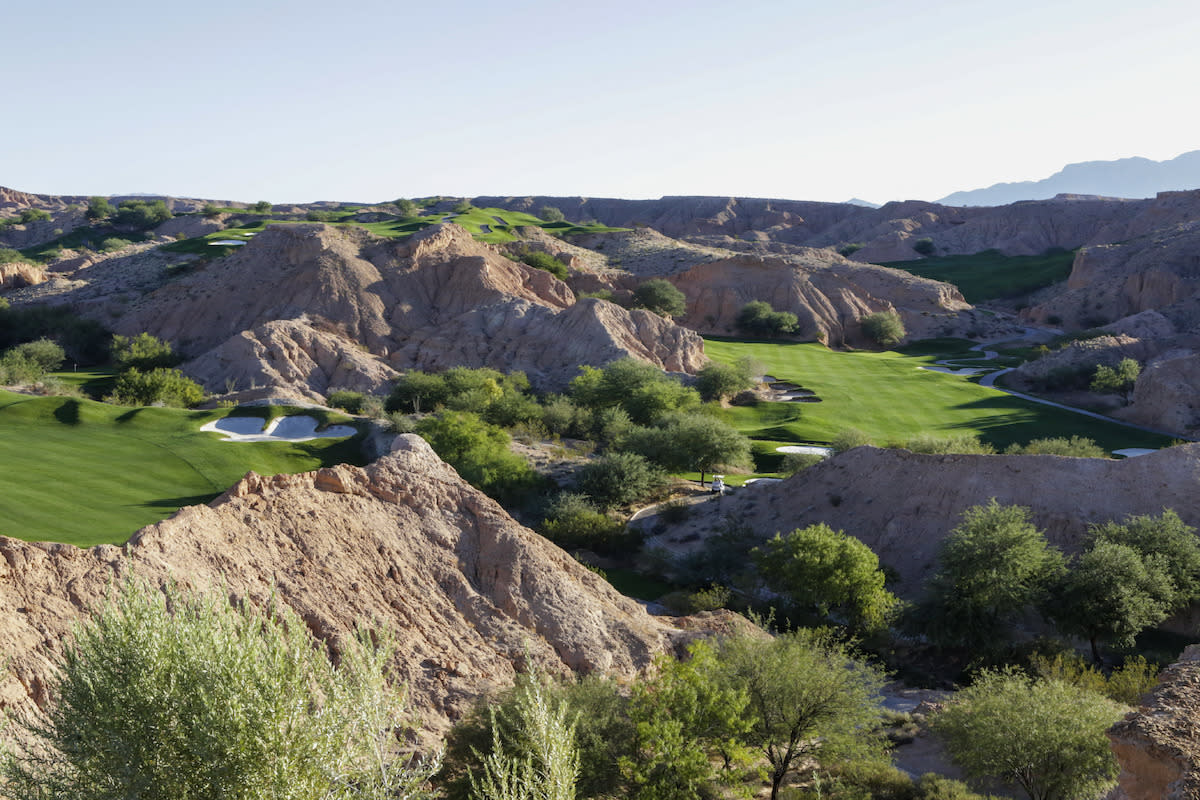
1125 177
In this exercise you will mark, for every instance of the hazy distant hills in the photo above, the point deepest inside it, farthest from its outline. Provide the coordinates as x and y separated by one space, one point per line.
1125 177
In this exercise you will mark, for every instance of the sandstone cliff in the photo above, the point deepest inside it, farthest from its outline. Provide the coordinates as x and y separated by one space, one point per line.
404 544
903 504
1158 746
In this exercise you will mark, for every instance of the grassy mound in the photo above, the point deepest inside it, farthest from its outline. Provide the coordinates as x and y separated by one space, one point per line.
991 275
888 397
83 472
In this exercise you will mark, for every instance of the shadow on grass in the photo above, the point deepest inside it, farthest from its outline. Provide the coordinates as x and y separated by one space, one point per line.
172 503
67 412
128 416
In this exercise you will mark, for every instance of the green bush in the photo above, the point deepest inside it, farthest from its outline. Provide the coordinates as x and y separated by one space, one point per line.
798 462
261 207
407 208
144 352
29 215
462 207
159 386
758 318
345 400
479 452
850 249
551 214
539 259
642 390
167 696
10 256
1126 684
322 216
574 523
661 297
99 209
1077 446
716 381
951 443
848 439
46 353
885 328
618 479
141 214
924 246
113 244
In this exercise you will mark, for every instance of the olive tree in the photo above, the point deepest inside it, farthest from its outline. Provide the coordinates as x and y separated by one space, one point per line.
661 297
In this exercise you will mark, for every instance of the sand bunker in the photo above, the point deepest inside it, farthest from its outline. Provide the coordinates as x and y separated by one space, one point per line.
280 429
805 449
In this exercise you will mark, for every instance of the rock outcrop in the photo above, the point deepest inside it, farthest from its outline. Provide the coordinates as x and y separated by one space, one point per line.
436 300
1158 746
903 504
403 544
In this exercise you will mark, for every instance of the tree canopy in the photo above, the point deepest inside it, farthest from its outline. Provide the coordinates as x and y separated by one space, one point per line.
661 297
885 328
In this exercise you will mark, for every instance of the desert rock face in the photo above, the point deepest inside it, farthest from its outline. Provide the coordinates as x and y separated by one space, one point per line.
828 293
403 544
1167 394
437 300
16 275
903 504
1158 746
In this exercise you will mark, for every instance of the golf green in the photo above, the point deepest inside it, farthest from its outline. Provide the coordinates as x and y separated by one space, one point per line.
83 472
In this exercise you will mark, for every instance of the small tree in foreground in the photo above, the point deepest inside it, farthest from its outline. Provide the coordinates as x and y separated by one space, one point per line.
808 698
1046 737
167 696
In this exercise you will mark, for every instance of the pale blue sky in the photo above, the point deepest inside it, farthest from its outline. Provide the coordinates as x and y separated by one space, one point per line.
372 100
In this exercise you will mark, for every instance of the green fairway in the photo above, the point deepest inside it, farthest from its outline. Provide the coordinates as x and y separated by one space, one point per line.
888 397
990 275
83 472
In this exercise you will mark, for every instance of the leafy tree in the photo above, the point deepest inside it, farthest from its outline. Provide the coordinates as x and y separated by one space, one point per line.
29 215
479 452
991 568
1120 380
168 387
418 391
141 214
818 568
210 210
143 352
551 214
462 206
261 207
924 246
167 696
885 328
684 717
617 479
716 381
1046 737
99 209
539 762
809 699
661 297
345 400
758 318
691 442
47 354
407 208
641 389
1125 684
1112 594
1168 543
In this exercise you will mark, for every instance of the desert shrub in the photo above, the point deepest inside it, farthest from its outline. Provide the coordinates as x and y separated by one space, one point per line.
600 294
114 243
1077 446
143 351
674 512
29 215
848 439
798 462
141 214
1118 380
345 400
683 602
644 392
885 328
10 256
372 407
321 216
559 415
539 259
16 369
159 386
47 354
261 207
924 246
717 381
1126 684
758 318
618 479
479 452
690 442
209 210
551 214
574 523
850 249
167 696
406 207
462 207
418 391
661 297
950 443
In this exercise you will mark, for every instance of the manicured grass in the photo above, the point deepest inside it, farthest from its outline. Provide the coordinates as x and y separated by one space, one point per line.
83 472
990 275
888 397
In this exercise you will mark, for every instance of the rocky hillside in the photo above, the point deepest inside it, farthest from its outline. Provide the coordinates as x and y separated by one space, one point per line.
403 543
902 504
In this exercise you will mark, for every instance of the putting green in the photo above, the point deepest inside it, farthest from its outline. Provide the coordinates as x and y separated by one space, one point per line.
891 399
84 472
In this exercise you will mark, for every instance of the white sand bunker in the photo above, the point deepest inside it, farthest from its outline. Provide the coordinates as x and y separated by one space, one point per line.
1133 452
280 429
762 481
805 449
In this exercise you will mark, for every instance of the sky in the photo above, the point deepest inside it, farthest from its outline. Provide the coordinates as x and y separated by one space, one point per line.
299 101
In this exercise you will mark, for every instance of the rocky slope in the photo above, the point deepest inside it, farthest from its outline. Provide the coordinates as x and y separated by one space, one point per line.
1158 746
903 504
403 544
436 300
